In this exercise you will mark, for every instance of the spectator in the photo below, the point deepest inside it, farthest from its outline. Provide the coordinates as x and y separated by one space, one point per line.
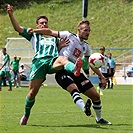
112 67
15 69
22 72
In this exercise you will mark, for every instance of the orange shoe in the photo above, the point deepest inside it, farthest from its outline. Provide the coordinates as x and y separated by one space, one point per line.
9 90
78 66
0 89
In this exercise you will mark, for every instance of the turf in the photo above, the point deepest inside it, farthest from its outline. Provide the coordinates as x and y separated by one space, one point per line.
55 112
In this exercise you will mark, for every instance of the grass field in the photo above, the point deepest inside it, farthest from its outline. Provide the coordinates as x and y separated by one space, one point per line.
55 112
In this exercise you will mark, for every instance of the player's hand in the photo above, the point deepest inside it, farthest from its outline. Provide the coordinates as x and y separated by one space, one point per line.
63 42
30 30
104 82
10 9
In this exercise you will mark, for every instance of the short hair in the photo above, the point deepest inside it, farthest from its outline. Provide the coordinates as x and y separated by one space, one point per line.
83 22
102 48
110 53
4 49
39 17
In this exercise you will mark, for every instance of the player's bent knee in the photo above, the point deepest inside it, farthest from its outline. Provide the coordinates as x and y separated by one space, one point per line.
96 97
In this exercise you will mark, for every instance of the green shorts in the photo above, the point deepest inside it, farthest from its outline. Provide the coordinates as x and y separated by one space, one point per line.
5 74
41 67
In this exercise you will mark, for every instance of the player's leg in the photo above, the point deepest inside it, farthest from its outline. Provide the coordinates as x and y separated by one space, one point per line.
112 74
37 76
1 75
8 76
86 87
18 79
30 99
75 94
96 104
99 88
63 62
14 77
65 80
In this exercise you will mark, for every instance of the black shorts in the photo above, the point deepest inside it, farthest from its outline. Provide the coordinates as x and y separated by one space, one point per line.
112 72
16 73
86 71
64 79
105 75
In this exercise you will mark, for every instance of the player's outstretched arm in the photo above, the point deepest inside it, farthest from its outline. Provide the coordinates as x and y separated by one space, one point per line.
46 31
15 24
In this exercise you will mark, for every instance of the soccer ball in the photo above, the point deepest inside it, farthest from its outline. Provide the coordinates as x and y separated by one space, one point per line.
96 60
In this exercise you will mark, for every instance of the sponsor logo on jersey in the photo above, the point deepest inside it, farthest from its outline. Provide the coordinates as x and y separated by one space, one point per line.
77 52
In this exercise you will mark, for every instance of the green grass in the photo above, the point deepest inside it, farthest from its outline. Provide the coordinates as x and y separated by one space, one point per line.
55 112
111 20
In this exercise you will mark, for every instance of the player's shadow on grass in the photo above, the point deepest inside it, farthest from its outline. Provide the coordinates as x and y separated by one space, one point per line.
84 125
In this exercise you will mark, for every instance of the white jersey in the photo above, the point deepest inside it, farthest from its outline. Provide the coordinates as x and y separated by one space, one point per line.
76 48
23 71
104 68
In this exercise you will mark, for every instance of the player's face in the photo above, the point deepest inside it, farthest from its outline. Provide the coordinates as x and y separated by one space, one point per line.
15 58
110 55
42 23
3 51
102 51
84 31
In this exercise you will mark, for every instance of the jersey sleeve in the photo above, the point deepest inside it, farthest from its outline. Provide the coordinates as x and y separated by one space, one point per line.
7 58
63 34
88 50
11 62
26 35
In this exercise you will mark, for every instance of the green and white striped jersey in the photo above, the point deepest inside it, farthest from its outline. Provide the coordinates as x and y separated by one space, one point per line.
43 46
6 58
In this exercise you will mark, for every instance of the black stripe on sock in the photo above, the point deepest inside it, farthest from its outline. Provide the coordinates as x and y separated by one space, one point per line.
74 91
97 102
78 98
97 108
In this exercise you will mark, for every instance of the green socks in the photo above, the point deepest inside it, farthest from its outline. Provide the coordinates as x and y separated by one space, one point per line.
69 67
10 84
28 106
0 83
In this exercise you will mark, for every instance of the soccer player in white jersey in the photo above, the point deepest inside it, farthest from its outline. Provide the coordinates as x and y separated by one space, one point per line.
46 51
104 70
68 81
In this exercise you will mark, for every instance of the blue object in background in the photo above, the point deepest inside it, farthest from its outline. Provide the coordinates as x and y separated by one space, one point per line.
94 79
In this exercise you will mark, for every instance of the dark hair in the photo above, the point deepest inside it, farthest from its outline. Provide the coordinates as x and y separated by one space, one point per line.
4 49
102 48
83 22
39 17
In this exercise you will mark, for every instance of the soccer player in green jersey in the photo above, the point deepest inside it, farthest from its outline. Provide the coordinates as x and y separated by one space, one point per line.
5 69
15 69
46 51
